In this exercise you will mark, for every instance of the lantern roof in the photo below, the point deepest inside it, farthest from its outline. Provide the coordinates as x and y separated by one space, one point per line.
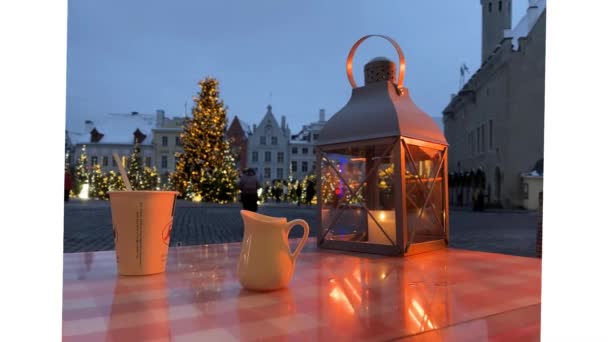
380 108
377 110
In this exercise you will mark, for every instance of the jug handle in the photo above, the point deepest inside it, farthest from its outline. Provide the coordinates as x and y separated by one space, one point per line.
304 238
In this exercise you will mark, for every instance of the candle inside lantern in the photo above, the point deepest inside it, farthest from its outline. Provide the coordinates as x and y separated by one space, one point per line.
386 219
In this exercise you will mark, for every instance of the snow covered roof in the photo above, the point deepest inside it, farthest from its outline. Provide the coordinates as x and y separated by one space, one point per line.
527 22
119 128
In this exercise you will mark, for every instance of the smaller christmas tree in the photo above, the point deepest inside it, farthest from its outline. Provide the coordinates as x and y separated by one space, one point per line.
82 174
115 182
99 184
150 179
135 171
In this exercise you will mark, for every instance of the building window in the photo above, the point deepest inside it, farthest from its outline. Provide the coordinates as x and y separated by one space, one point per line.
525 190
263 140
294 150
255 170
163 162
104 160
267 156
148 161
177 142
315 136
266 172
254 156
483 138
490 7
314 165
280 173
305 150
280 157
114 162
274 140
165 140
93 160
500 6
304 166
294 166
491 138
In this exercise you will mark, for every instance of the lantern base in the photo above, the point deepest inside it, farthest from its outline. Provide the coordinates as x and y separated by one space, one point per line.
372 248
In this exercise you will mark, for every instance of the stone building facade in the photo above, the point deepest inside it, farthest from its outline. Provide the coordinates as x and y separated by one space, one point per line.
268 148
496 121
158 137
116 133
302 159
166 143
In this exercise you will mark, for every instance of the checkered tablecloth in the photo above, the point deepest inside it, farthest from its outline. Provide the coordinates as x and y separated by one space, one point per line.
444 295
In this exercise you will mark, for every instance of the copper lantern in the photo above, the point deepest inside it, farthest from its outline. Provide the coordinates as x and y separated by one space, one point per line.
382 178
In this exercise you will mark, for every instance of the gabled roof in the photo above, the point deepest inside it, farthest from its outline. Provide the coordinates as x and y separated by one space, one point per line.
268 118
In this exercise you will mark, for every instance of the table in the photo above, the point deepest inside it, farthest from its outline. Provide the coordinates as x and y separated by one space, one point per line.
450 294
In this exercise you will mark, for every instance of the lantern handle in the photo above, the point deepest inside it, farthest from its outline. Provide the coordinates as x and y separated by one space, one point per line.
351 54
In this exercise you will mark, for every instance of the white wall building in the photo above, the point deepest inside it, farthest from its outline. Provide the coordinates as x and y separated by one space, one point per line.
166 142
116 133
267 148
158 137
302 148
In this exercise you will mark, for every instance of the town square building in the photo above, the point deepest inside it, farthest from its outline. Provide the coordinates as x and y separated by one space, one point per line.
496 121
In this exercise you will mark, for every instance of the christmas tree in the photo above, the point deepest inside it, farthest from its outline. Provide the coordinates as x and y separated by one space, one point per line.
82 174
135 171
115 182
81 181
99 184
206 169
150 179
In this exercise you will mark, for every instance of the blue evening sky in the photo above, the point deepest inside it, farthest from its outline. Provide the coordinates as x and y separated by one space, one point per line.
141 55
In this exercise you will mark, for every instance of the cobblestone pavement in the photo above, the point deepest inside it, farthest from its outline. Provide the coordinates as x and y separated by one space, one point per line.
88 227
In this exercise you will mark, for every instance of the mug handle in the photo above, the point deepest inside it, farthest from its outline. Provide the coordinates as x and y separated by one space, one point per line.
304 238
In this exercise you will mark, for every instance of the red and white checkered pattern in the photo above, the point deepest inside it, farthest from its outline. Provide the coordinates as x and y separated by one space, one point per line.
444 295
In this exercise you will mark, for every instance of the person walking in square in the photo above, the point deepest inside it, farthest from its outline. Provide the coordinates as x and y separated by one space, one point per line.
299 193
310 192
249 186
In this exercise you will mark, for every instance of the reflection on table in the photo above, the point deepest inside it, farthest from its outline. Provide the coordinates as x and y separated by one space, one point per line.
446 294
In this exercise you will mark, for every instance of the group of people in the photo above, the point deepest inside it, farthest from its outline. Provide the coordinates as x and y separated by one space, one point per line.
466 185
249 185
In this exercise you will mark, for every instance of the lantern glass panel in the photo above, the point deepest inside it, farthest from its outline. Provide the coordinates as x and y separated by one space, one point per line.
424 194
357 191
